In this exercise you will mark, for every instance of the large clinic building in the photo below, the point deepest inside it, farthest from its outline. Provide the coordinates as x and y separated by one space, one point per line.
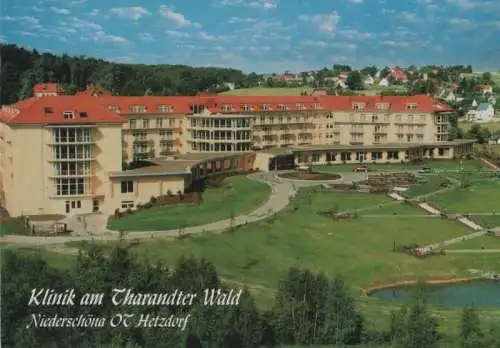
65 154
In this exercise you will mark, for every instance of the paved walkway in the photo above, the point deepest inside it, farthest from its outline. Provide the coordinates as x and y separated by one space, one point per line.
472 251
279 199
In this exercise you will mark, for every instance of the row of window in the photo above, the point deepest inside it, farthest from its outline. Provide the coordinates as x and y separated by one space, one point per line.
160 123
72 135
72 152
142 108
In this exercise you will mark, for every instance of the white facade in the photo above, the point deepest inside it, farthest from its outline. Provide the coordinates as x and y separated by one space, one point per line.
384 83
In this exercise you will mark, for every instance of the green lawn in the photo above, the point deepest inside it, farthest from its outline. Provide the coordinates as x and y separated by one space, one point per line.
265 91
435 164
395 209
12 225
481 197
490 221
242 196
259 254
429 184
483 242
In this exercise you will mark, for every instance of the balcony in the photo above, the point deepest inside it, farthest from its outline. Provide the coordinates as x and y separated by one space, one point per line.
167 152
141 140
356 142
166 140
71 173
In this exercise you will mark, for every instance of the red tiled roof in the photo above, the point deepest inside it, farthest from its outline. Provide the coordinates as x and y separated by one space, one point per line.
50 110
48 88
31 111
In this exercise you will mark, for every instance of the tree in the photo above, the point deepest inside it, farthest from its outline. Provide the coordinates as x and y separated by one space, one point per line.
354 81
486 77
481 134
471 335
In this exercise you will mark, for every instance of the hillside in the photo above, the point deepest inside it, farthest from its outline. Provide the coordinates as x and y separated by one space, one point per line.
21 69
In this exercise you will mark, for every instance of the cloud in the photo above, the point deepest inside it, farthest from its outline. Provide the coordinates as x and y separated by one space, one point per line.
27 33
83 24
356 1
204 36
236 20
485 5
76 2
146 37
176 33
387 11
134 13
259 4
95 12
178 18
459 21
393 43
62 11
356 35
27 20
409 16
324 22
101 37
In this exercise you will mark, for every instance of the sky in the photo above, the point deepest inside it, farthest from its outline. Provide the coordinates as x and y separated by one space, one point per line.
262 35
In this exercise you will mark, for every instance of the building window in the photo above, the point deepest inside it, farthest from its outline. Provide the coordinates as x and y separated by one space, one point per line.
441 151
300 106
145 123
422 118
112 108
392 155
68 115
282 107
264 107
411 106
127 204
382 106
159 122
316 106
164 108
227 107
127 186
139 108
132 124
246 107
70 186
345 156
376 156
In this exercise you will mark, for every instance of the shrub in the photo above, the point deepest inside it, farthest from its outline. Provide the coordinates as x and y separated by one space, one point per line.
152 200
117 213
129 211
148 205
139 206
169 193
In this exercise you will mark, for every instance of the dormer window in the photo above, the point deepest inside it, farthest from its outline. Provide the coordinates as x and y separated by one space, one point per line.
316 106
83 114
358 106
300 106
48 110
411 106
68 115
282 107
112 108
246 107
139 108
382 106
164 108
265 107
227 107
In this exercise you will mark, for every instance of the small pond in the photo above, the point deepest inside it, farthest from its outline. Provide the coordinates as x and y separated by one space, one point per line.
480 293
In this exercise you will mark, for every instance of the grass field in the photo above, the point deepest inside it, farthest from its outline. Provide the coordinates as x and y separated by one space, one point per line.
483 242
218 204
259 254
481 197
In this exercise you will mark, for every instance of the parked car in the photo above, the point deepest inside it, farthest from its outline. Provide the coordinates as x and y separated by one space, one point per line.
425 171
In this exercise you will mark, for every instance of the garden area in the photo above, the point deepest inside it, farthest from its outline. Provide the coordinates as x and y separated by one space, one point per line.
305 175
238 196
12 225
466 165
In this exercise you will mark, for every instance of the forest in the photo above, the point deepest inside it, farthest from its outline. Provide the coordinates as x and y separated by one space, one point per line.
21 69
308 308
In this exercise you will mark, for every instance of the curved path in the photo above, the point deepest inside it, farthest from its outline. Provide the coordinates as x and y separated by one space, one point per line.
279 199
